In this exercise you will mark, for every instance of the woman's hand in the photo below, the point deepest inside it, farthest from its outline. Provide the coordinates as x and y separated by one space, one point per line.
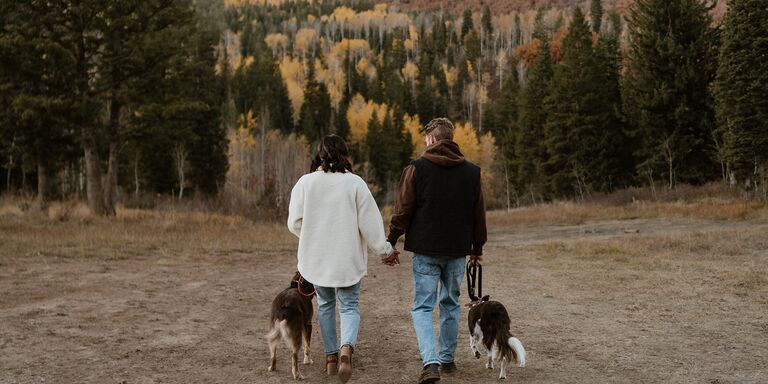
393 259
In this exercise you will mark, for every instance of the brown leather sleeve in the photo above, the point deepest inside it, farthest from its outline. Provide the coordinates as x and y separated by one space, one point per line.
479 230
405 204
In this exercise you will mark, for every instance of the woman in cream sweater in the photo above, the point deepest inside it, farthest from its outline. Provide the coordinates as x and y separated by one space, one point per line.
337 220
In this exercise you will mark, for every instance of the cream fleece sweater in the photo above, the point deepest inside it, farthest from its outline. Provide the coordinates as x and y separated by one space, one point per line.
337 220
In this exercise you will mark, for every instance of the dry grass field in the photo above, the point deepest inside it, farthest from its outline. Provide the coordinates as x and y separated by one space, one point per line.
642 293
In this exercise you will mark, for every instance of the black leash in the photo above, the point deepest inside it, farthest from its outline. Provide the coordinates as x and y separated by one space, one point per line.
474 280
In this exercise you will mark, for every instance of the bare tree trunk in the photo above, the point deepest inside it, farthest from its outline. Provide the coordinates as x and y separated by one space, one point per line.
649 172
110 180
480 113
262 160
81 177
110 188
93 184
9 167
581 186
136 159
721 158
670 162
506 182
23 176
764 181
8 178
42 184
180 155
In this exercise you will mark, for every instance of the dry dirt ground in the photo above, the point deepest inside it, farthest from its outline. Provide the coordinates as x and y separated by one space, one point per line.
178 300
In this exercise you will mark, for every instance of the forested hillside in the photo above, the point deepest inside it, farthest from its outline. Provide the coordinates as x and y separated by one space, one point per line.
506 6
227 98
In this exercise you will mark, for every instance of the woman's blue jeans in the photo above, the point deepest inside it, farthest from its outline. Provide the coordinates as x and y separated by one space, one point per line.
349 311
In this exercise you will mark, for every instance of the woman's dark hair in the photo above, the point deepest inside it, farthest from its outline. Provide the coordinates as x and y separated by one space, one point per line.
332 155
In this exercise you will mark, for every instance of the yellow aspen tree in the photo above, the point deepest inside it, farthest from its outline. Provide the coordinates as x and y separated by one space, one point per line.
294 75
487 162
342 16
451 75
482 100
304 41
364 68
465 136
278 43
412 125
410 72
333 78
480 150
359 113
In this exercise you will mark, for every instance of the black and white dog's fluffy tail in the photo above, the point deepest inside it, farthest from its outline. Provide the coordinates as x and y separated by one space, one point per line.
495 323
517 350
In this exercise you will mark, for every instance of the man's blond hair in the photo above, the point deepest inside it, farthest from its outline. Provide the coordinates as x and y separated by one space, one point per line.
440 128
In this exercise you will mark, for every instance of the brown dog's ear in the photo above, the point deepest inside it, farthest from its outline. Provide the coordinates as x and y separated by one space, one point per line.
485 298
296 276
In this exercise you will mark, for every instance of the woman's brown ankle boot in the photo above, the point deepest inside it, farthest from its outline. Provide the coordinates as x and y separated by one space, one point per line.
345 363
332 364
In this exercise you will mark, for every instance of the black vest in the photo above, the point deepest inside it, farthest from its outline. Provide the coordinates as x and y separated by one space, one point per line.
441 224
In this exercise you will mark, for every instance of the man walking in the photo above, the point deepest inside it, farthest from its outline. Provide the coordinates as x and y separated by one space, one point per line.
439 207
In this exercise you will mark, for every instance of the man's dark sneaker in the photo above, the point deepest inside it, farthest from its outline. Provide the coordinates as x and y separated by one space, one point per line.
448 368
430 374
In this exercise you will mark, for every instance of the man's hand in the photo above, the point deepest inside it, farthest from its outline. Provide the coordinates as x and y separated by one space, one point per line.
393 259
476 259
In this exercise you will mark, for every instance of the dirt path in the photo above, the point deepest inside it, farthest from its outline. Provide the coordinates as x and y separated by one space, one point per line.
585 317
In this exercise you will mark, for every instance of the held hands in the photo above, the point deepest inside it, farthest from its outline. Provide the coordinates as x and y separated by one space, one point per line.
393 259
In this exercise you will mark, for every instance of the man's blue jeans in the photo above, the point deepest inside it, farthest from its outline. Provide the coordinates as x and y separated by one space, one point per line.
433 276
349 311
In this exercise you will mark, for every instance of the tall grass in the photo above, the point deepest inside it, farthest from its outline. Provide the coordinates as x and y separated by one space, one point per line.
69 230
578 213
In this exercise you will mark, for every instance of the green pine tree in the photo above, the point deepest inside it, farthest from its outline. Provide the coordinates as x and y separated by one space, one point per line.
466 23
260 86
505 106
34 79
584 136
387 149
315 115
741 90
671 64
486 21
596 11
530 152
503 120
472 47
208 151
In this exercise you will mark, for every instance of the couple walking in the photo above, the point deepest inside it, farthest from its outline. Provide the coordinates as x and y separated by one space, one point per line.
439 207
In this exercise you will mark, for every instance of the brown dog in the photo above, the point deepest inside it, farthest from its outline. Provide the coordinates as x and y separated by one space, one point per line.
291 321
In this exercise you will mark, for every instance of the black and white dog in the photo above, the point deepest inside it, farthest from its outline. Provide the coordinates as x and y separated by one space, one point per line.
489 329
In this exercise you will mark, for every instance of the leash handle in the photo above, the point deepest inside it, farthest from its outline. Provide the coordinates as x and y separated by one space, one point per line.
474 280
